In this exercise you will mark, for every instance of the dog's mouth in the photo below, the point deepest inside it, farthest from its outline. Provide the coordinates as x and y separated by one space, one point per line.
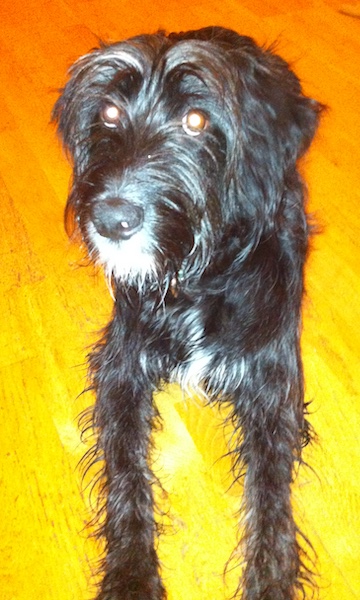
125 254
132 251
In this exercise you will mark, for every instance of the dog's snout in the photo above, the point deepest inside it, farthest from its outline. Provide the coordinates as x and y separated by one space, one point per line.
116 218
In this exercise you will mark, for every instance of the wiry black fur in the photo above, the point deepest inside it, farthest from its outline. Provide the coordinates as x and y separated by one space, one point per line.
208 285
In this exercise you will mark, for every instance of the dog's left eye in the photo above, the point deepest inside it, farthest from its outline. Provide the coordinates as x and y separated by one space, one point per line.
110 115
194 122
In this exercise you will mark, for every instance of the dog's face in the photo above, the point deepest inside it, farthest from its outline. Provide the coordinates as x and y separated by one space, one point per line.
180 142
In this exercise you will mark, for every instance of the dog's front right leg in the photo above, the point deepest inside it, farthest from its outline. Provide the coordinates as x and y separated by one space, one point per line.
123 418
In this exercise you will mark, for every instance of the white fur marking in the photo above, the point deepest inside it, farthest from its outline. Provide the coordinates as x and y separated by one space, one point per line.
130 260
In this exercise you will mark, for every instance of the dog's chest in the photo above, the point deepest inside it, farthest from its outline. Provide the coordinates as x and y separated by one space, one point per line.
200 361
186 350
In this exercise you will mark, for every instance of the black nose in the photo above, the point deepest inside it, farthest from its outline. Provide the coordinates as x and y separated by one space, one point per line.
116 219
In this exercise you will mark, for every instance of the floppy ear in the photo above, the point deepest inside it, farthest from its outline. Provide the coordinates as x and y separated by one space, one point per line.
76 105
271 99
276 124
289 117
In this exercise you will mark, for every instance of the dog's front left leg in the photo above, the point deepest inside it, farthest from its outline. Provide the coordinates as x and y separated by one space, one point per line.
270 414
123 418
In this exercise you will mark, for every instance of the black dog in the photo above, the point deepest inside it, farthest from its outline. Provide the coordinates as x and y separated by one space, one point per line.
186 189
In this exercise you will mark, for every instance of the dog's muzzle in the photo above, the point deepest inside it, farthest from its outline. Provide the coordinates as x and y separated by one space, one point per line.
116 218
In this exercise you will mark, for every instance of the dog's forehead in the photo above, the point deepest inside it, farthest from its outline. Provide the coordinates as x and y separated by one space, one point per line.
149 55
197 52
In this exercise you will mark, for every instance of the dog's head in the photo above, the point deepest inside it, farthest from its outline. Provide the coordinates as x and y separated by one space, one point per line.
180 142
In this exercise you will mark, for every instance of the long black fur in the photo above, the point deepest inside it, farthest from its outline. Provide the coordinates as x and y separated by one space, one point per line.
203 234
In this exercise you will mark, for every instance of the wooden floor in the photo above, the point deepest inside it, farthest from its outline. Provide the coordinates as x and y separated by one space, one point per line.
50 311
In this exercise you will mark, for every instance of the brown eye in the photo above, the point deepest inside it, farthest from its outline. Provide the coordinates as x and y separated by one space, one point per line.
110 116
194 122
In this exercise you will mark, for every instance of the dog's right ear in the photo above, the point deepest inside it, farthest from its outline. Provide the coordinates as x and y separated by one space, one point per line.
75 107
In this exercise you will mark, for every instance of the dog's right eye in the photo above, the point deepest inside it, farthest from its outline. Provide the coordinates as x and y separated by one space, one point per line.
110 116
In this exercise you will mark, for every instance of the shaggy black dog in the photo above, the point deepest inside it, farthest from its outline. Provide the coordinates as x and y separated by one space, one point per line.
186 190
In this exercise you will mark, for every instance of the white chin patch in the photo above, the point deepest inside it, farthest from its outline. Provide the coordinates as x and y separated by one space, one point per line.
131 261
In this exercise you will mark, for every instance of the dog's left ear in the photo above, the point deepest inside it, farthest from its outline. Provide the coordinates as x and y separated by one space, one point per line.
291 117
274 125
272 102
